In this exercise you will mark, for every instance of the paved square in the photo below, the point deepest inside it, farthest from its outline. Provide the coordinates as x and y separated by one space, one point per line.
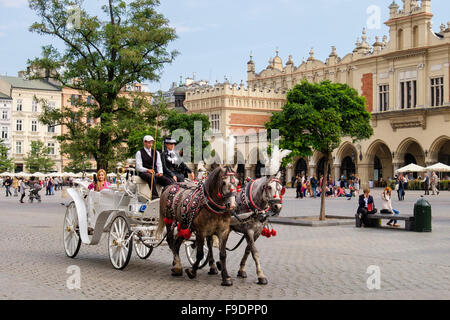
300 263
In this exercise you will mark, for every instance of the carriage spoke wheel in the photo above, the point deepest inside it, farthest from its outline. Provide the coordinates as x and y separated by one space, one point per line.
191 253
71 232
142 250
120 243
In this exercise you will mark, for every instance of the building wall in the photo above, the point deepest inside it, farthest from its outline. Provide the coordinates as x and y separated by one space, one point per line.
413 53
27 115
5 106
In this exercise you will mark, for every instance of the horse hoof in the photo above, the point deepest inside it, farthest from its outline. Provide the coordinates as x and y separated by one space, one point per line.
262 281
191 274
176 273
219 265
242 274
227 283
213 271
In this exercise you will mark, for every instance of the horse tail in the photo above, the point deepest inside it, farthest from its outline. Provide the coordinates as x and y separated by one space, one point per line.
161 223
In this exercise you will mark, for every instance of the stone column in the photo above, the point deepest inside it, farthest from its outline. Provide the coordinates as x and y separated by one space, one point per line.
289 173
396 165
363 172
312 170
337 172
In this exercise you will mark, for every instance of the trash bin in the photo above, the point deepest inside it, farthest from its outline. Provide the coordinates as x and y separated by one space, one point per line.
422 215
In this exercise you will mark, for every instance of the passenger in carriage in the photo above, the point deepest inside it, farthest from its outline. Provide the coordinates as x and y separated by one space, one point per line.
101 182
144 165
173 166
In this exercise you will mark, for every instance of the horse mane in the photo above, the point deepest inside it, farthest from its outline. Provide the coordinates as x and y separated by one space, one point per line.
211 185
258 184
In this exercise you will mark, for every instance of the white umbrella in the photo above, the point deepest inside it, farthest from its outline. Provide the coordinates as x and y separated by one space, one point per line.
439 167
39 175
7 174
411 168
68 174
22 175
112 175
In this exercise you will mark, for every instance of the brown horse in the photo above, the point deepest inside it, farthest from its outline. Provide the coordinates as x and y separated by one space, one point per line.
255 203
203 209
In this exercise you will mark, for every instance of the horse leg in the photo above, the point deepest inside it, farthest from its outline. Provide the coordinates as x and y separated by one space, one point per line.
261 278
211 262
241 272
223 238
177 269
200 241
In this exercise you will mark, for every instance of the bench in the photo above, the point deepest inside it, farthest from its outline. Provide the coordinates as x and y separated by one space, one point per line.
375 220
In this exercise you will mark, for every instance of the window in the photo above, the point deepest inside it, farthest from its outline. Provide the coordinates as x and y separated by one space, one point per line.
90 100
408 94
4 132
18 125
34 106
400 40
383 97
437 92
52 105
51 129
214 119
19 147
73 99
34 126
5 115
19 105
51 148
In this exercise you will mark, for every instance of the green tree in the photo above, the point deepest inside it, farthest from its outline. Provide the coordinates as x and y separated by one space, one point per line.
100 59
178 120
317 117
38 159
6 164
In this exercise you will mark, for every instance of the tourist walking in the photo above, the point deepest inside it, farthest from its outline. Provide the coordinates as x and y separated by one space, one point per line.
400 188
434 184
7 183
426 184
15 186
314 182
23 186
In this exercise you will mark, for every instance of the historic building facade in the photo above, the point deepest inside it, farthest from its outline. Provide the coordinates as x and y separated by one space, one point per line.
5 120
25 111
405 79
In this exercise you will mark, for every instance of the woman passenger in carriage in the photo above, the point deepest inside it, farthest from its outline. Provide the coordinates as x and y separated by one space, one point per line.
101 182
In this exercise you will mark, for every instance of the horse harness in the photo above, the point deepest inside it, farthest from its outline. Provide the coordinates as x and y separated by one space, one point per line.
197 199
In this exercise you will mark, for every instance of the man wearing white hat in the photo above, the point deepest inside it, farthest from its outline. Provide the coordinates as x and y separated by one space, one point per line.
145 165
173 165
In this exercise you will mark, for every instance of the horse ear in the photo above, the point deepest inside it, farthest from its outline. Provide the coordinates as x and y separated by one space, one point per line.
235 167
278 176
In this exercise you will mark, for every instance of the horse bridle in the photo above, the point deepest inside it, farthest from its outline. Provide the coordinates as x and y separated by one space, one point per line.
214 207
275 199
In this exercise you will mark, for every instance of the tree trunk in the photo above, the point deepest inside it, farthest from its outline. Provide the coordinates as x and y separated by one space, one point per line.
322 186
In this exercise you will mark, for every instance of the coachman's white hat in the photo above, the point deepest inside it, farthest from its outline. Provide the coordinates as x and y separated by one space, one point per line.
148 138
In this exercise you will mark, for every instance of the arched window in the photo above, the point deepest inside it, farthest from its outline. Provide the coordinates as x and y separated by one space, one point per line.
415 36
400 39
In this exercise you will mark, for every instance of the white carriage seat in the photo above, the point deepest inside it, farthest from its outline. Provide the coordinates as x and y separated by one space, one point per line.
143 189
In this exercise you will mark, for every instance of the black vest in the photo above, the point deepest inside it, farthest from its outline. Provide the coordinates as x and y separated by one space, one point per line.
147 161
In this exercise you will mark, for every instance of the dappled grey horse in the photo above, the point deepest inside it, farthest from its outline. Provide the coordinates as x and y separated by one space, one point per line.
258 200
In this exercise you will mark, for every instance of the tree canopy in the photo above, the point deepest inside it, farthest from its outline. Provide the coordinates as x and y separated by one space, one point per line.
101 58
38 159
316 117
6 164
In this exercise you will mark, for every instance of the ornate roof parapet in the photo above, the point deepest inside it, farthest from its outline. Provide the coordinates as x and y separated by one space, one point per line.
410 7
333 58
377 46
311 55
251 64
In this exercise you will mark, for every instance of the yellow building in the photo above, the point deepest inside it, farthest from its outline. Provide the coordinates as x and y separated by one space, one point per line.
25 117
405 79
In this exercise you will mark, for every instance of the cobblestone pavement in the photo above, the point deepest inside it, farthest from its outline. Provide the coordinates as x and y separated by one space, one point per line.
300 263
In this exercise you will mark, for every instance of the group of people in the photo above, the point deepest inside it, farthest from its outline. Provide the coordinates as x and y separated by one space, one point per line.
19 187
432 182
155 168
311 187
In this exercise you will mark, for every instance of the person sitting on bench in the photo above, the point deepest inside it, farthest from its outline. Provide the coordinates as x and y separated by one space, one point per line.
386 198
366 206
145 163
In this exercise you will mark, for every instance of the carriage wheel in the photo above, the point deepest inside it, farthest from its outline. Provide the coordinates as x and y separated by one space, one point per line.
71 232
142 250
191 253
120 243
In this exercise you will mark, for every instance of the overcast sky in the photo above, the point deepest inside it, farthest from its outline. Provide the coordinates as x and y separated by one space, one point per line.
216 36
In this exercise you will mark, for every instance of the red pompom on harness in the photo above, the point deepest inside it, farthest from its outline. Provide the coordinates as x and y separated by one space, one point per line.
168 221
183 233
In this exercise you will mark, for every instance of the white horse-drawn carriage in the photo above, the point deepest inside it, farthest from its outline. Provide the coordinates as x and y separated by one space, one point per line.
125 211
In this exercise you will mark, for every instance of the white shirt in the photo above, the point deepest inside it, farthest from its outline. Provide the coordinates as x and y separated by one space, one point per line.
140 167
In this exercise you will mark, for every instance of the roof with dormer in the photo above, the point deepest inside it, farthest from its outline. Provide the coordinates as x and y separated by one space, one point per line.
18 82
